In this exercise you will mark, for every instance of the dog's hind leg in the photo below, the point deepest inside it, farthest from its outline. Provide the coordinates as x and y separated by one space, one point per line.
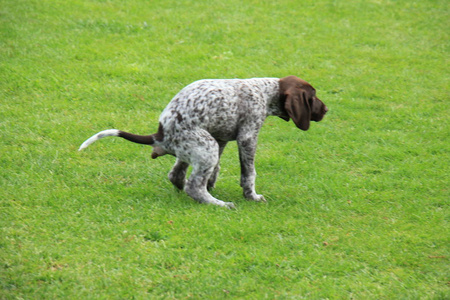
212 180
178 174
204 157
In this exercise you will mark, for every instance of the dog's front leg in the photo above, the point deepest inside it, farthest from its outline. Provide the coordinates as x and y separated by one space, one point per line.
247 150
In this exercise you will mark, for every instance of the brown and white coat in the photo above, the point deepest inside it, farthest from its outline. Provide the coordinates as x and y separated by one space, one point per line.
205 115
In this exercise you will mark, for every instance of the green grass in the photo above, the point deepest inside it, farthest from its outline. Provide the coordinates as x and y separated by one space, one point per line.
357 206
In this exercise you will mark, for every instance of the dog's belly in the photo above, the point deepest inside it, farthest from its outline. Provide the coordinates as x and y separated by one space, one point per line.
225 134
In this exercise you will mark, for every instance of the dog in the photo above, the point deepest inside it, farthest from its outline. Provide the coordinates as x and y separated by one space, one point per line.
204 116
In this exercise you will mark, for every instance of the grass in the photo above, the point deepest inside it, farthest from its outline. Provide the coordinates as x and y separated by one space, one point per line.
357 206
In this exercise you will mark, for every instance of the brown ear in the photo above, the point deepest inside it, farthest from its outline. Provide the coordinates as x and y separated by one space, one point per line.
297 107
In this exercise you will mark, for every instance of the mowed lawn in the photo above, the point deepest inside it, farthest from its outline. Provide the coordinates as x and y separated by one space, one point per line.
358 206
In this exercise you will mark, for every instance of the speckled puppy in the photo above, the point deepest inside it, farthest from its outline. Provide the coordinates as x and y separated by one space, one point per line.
205 115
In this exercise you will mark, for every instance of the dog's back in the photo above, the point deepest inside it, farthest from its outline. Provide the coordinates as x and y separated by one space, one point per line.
219 106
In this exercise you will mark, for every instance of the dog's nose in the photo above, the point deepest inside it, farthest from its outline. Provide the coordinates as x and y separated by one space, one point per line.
326 109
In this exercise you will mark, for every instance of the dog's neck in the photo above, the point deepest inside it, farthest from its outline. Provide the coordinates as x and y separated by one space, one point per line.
275 102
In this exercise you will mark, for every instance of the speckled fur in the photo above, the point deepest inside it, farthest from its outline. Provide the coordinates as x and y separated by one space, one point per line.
203 117
199 121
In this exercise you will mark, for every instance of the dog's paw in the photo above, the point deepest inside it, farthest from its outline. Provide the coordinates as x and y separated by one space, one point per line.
255 197
230 205
259 198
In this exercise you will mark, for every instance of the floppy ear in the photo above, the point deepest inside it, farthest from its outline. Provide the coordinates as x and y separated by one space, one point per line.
297 107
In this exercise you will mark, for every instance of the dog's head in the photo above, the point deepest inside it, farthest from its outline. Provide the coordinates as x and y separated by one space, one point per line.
300 102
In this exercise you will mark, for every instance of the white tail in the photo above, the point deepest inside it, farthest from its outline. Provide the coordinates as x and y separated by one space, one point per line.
100 135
